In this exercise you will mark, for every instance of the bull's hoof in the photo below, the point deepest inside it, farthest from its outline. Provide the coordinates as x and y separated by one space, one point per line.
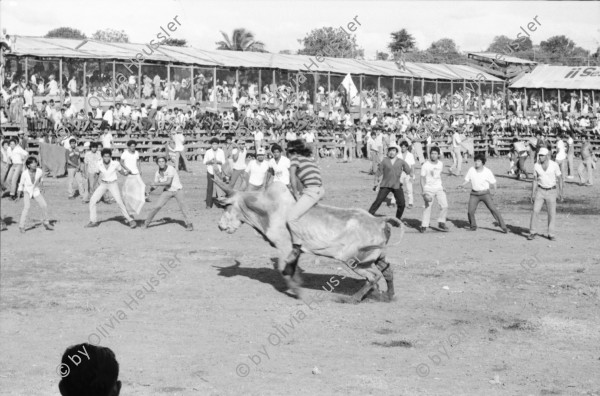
293 286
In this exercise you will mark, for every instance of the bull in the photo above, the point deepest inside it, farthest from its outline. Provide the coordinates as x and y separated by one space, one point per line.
352 236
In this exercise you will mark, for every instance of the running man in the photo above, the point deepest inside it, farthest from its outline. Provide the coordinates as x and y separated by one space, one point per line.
431 185
390 170
107 168
546 177
167 177
481 178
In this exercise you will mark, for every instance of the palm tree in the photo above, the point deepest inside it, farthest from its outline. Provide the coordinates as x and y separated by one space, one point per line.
241 40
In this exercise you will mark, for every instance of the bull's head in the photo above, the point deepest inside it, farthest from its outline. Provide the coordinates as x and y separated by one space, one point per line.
232 217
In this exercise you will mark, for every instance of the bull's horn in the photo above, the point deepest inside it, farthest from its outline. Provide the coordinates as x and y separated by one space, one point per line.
228 190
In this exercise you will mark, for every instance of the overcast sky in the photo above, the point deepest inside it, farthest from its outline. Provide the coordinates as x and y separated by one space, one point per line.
279 24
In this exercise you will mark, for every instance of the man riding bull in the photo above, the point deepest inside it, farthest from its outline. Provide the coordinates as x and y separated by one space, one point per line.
304 170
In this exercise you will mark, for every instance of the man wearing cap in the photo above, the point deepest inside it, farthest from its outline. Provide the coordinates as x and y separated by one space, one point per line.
546 177
256 172
214 158
389 170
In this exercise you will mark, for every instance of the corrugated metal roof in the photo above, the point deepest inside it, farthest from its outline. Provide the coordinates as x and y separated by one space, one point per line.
92 49
502 58
560 77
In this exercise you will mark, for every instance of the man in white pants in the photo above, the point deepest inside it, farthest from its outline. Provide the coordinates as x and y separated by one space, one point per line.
107 168
407 180
456 154
546 178
431 185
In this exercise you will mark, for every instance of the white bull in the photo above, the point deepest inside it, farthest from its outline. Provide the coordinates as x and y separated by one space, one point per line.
352 236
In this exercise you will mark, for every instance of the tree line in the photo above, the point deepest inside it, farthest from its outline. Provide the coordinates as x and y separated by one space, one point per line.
402 46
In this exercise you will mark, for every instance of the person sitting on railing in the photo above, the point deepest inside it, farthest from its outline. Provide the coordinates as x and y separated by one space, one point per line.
189 122
145 120
81 122
136 116
30 117
178 121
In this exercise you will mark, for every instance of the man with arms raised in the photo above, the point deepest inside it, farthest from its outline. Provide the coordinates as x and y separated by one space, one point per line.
431 185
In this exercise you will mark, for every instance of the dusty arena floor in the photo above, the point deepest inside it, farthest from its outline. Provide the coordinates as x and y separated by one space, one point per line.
204 313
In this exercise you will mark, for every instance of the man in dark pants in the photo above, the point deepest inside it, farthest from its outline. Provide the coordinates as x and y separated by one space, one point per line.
390 170
481 178
213 159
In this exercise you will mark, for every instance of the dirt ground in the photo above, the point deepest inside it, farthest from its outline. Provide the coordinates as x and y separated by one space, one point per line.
479 313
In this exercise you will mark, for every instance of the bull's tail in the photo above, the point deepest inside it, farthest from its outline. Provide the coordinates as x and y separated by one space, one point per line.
396 223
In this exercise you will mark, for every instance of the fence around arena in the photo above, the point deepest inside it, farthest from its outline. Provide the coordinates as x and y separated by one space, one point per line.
197 143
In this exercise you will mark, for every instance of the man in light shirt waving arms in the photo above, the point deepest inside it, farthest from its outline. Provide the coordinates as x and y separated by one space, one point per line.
481 178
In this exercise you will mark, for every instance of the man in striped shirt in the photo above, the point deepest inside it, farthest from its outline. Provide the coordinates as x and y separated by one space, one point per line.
304 171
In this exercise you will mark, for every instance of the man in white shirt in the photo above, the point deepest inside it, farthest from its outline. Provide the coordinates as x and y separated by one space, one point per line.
256 172
130 161
561 153
431 185
16 159
167 177
546 177
52 86
310 136
214 158
72 86
258 138
290 135
359 142
107 118
481 178
90 165
107 169
279 166
238 163
107 139
118 118
179 139
376 150
456 154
